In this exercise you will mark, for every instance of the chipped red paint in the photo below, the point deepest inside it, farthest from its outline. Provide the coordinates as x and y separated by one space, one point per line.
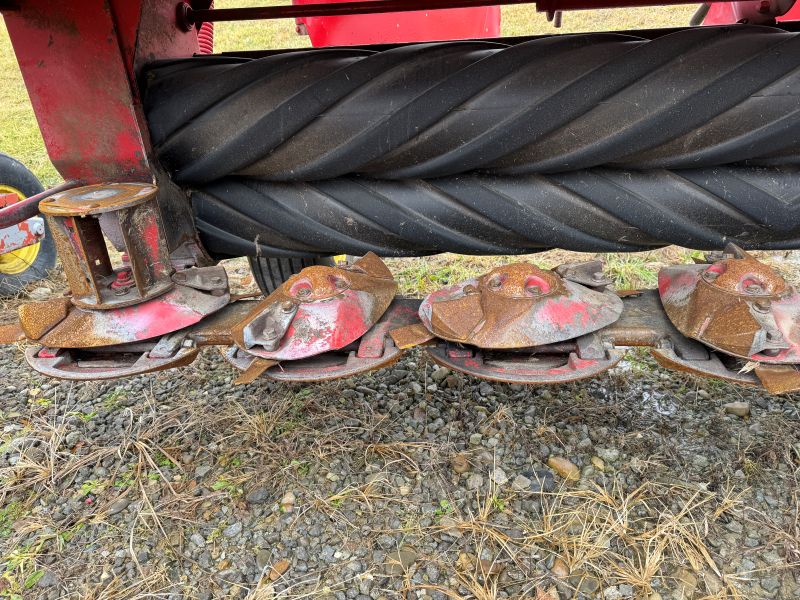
517 306
400 314
564 313
323 326
19 236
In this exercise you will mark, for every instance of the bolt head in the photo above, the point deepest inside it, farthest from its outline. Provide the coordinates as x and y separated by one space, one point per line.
534 289
763 306
754 289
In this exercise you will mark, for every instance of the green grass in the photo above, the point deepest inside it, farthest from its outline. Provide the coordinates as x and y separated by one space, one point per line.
19 133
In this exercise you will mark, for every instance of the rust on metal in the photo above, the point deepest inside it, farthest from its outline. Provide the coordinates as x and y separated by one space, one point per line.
517 306
127 214
11 333
332 322
589 273
16 211
585 357
216 329
374 350
711 367
97 199
177 309
779 379
81 365
254 370
318 310
37 318
411 335
737 305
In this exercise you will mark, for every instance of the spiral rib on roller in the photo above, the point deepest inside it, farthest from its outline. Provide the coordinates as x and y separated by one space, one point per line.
598 210
698 97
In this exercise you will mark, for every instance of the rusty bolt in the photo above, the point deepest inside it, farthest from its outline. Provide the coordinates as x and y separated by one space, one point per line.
270 332
763 306
754 288
287 306
495 283
534 289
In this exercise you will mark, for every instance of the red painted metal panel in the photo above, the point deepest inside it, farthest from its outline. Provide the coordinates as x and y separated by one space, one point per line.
418 26
79 60
724 13
74 71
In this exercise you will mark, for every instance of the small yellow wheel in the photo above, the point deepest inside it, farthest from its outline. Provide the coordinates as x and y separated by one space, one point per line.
18 261
34 262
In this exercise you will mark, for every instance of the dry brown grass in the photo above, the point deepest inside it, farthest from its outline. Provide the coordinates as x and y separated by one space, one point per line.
608 536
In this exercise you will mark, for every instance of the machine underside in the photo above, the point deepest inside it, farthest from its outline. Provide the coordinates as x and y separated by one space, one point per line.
602 142
596 142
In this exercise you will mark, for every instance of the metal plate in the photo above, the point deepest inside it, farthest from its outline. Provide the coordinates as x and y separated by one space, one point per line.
517 306
175 310
86 365
375 350
712 367
537 367
318 310
736 305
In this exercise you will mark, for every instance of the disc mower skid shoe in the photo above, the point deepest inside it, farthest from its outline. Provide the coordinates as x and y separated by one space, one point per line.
112 362
374 350
587 356
320 309
737 305
517 306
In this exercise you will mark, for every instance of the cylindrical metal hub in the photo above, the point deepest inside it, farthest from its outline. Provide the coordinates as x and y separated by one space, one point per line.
128 215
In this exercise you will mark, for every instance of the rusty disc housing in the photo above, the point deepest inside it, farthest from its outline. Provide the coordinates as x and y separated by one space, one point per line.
517 306
737 305
318 310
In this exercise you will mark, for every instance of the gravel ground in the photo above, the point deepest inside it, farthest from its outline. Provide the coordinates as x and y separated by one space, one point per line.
409 482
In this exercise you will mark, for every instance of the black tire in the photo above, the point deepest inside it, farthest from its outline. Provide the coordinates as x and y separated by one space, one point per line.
270 273
16 175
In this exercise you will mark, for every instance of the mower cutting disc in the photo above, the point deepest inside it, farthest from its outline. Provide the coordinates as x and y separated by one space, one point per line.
517 306
737 305
320 309
374 350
